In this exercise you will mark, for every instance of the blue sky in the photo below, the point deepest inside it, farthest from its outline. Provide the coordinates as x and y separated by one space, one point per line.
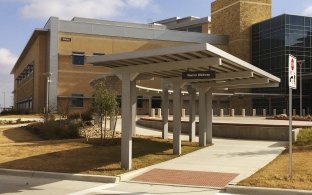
18 19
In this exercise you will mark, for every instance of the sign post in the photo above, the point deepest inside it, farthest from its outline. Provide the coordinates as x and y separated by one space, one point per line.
292 79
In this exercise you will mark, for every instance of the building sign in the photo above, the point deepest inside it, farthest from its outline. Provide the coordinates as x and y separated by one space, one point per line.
66 39
199 75
292 72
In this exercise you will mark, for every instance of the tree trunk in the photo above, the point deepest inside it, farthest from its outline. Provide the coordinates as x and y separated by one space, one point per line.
101 123
105 119
116 117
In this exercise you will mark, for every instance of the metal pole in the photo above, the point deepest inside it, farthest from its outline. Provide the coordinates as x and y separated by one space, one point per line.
300 66
290 132
4 100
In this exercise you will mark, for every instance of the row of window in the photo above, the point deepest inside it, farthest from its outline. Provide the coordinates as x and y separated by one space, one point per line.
25 73
78 58
25 105
77 101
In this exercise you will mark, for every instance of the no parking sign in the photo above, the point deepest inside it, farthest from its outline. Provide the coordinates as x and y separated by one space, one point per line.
292 72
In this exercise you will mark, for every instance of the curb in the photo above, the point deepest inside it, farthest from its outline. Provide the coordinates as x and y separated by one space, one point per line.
261 190
63 176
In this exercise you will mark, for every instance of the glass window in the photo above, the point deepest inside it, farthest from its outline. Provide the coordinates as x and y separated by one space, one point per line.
296 20
77 100
98 54
156 102
78 58
140 102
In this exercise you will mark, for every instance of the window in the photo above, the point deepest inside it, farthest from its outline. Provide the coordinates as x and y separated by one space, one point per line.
140 102
98 54
78 58
77 100
156 102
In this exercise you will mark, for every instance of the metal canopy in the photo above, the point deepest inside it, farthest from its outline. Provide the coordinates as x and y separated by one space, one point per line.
231 72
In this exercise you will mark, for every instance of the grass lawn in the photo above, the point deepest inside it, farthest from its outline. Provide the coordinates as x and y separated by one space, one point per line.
276 174
78 156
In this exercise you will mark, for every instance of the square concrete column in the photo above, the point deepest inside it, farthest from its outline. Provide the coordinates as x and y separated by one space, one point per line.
177 118
274 112
209 116
164 110
134 105
150 105
192 114
202 116
127 120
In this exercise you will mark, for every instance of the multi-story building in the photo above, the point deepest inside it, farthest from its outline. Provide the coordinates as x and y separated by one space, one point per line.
60 48
273 41
189 24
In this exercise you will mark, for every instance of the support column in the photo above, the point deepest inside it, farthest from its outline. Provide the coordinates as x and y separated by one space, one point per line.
134 105
150 105
209 116
202 117
164 110
270 106
192 114
127 120
176 118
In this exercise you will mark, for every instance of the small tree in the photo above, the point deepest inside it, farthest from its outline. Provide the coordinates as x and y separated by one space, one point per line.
104 103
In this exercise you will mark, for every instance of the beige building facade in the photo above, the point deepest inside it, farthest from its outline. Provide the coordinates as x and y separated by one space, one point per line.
61 47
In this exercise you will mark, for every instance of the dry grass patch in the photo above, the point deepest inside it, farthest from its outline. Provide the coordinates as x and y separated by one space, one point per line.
91 158
22 116
276 174
16 135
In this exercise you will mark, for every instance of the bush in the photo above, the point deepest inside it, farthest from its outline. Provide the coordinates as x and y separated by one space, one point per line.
55 130
85 116
74 116
15 112
304 137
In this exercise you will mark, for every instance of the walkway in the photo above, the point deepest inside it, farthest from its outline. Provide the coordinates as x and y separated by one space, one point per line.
226 156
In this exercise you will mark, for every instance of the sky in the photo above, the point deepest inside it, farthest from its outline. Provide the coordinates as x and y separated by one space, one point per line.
18 19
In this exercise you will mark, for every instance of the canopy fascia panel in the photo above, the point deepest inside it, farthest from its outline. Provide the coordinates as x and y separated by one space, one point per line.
171 62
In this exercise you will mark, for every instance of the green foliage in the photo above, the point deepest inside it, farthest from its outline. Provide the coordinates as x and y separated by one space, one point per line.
104 98
304 137
104 103
55 130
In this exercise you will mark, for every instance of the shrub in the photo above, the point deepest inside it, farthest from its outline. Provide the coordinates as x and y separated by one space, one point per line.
15 112
86 116
304 137
74 116
55 130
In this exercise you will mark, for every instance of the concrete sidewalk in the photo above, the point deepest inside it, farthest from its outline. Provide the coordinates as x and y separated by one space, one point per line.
243 157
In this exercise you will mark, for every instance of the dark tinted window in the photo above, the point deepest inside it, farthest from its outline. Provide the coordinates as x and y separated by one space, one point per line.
78 58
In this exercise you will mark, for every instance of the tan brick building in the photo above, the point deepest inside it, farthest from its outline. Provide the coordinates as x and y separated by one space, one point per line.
61 48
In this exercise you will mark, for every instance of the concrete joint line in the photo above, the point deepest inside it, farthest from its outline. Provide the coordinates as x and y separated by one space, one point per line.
66 176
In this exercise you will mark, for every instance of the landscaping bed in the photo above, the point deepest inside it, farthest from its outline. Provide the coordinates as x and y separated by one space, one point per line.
276 174
80 156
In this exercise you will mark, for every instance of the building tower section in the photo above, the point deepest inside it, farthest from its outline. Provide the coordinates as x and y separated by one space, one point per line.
235 18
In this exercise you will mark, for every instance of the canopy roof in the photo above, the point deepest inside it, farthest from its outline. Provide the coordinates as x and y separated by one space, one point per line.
231 72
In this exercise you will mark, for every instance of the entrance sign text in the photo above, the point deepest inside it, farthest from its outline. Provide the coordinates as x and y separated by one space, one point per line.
199 75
